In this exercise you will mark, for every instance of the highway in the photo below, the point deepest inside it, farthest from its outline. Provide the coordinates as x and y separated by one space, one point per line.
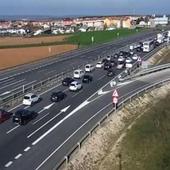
28 74
47 147
28 147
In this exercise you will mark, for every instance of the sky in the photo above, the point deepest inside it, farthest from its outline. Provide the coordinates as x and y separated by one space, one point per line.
83 7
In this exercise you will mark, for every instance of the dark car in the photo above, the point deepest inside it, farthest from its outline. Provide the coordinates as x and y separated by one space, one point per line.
107 66
111 73
67 81
57 96
23 116
116 55
139 49
113 61
105 61
87 79
4 115
124 54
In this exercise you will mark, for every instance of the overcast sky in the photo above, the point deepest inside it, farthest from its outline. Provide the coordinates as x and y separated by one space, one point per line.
83 7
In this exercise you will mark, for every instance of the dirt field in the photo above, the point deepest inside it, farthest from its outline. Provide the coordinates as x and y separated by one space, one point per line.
17 56
33 40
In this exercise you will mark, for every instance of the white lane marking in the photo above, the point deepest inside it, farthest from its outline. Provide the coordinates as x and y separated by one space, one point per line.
70 137
61 121
65 90
8 164
17 82
43 125
101 92
2 80
26 107
40 119
49 106
12 129
5 93
18 156
77 93
65 109
27 149
46 107
124 83
101 77
15 107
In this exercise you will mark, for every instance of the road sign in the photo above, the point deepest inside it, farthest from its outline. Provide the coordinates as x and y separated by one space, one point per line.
115 94
139 59
115 100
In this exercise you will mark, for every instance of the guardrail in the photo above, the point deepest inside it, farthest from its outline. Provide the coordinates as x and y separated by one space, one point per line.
127 98
16 95
153 69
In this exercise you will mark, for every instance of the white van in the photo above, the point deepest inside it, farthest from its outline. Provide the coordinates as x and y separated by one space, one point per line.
89 67
78 74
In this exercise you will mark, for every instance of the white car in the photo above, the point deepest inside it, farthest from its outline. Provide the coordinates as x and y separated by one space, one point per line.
75 86
121 58
128 65
128 60
89 67
30 99
108 58
78 74
120 65
100 64
135 57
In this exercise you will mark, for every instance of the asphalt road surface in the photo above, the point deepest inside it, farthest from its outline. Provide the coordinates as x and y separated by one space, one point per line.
44 141
12 79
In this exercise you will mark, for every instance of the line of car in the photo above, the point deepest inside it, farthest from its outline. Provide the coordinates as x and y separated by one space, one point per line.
121 60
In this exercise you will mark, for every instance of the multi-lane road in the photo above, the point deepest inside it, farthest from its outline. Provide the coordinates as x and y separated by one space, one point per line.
44 141
31 73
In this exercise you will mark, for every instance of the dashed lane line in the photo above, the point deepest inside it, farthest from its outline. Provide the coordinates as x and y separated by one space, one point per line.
12 129
8 164
18 156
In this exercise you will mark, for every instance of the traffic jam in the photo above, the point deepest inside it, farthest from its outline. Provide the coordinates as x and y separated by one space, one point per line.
119 61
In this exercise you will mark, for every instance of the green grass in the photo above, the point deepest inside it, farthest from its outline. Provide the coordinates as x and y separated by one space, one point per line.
147 144
84 39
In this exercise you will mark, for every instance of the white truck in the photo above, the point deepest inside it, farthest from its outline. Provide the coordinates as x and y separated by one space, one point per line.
168 34
160 38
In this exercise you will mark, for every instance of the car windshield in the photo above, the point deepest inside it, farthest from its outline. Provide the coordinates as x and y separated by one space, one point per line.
26 97
76 72
19 112
86 76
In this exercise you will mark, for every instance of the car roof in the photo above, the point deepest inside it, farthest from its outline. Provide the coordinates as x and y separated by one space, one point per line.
67 78
87 75
59 92
78 70
22 111
74 82
29 94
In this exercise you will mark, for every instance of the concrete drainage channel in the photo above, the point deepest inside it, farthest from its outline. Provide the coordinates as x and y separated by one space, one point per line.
11 100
